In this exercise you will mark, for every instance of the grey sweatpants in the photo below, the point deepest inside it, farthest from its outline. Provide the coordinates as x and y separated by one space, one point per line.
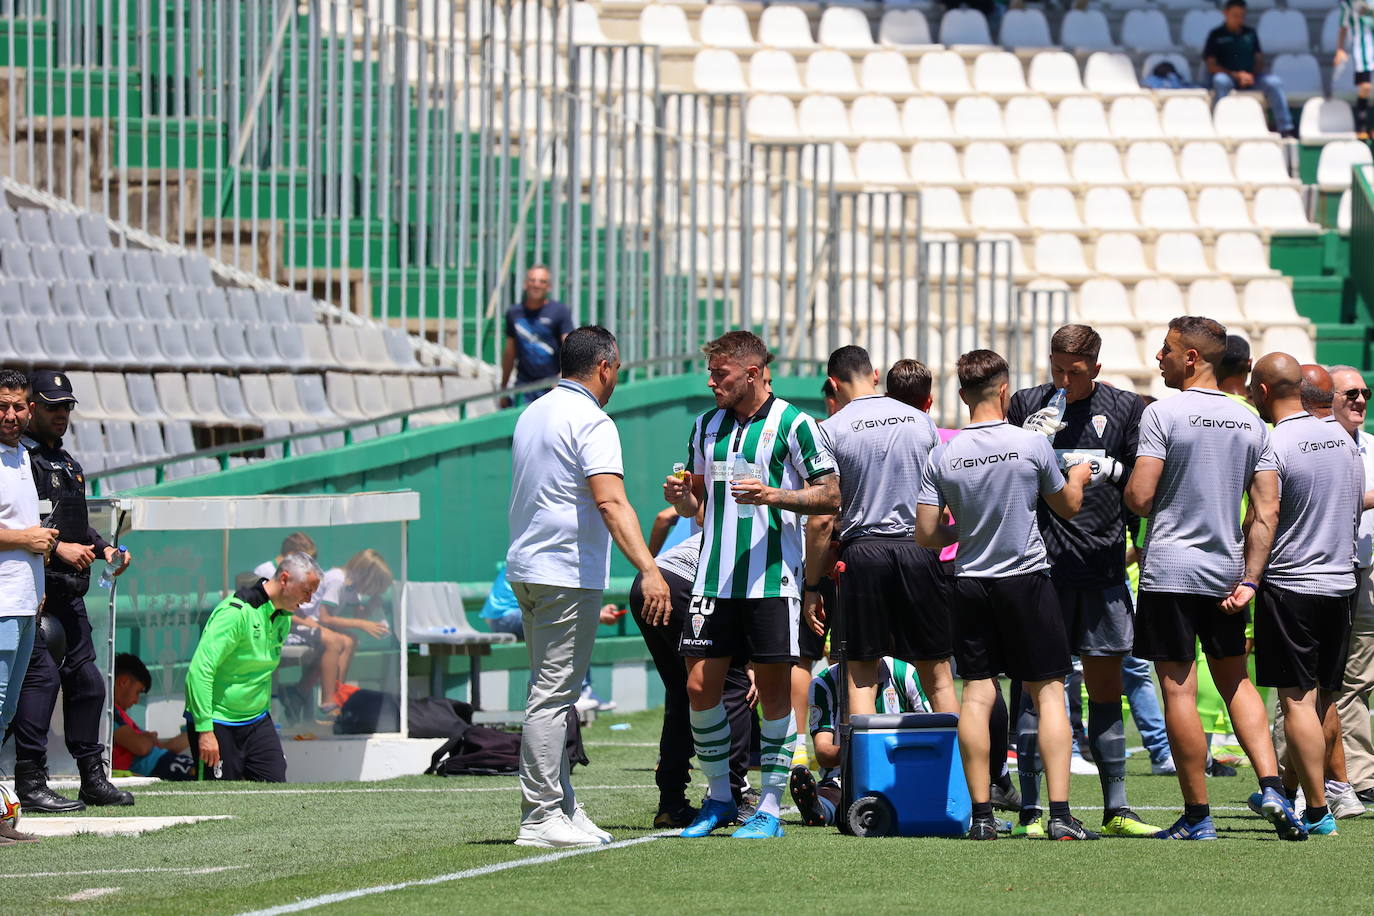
560 627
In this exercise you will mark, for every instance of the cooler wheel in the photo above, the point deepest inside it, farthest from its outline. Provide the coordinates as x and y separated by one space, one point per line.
872 816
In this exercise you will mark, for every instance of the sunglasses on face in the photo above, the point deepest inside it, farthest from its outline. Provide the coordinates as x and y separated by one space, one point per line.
1356 393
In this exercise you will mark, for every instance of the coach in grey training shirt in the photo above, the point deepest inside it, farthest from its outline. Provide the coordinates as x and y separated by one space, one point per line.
990 477
892 586
1302 614
1199 452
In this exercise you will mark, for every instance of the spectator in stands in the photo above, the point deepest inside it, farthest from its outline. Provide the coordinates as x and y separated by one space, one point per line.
355 603
59 479
1357 24
1233 372
333 650
23 544
144 753
1234 60
229 681
1316 390
535 329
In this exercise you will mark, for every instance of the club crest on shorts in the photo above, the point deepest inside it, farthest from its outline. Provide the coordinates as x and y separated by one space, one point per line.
698 621
1099 424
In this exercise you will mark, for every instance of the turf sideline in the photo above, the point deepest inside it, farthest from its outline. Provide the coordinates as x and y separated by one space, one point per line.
363 787
311 903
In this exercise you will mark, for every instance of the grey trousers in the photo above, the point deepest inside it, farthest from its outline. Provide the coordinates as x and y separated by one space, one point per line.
1354 699
560 627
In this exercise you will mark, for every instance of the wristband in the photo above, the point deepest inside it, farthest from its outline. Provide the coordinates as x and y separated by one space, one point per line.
1250 585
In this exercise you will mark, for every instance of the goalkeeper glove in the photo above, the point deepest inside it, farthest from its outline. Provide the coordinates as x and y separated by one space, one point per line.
1047 421
1104 467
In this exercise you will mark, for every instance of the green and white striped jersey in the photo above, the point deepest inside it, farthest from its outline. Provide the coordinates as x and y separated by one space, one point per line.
899 690
754 551
1357 18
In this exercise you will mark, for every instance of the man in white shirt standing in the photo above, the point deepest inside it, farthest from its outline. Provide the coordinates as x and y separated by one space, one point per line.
23 544
567 504
1353 701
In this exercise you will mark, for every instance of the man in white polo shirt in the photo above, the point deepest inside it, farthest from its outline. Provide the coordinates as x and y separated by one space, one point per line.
567 504
23 544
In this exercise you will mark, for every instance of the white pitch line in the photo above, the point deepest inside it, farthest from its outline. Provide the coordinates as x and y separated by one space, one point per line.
208 870
1180 808
620 743
90 893
513 787
311 903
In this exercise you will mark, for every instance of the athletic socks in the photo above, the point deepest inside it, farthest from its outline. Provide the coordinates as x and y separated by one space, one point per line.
711 735
1361 114
1314 813
982 810
778 741
1028 755
1271 782
1194 814
1059 809
1107 739
997 749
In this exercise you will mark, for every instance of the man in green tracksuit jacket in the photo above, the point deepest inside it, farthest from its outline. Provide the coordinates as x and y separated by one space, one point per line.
229 684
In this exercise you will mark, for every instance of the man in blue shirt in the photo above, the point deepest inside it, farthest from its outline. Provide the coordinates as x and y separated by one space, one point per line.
535 328
1234 61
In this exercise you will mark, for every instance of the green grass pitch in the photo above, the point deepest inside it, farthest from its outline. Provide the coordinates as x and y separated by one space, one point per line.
294 842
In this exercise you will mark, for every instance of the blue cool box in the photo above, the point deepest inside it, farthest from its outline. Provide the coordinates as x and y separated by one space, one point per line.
912 761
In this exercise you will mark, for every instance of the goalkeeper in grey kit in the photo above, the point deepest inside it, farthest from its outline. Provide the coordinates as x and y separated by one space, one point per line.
1099 425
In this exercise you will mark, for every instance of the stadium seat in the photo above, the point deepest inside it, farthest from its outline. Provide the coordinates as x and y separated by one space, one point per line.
927 118
229 339
1166 208
1024 28
904 29
124 301
1110 209
26 298
95 300
1302 77
773 117
831 71
1270 301
978 117
1096 163
1260 162
1086 30
1197 24
172 341
1282 30
665 25
66 300
1054 74
94 231
54 335
1325 120
1331 26
167 269
999 74
1180 255
1145 30
1337 160
1082 118
1060 255
1134 117
214 304
109 264
143 398
718 70
987 162
942 209
200 339
963 26
1053 210
720 25
1241 255
1120 350
943 73
231 400
203 393
1240 117
1293 340
935 162
272 306
774 71
1029 117
1041 162
1110 74
1202 163
886 73
1121 255
148 440
1219 209
873 116
33 226
880 162
152 300
1343 214
1103 300
586 25
47 263
173 396
1187 118
114 342
1179 62
845 28
9 226
343 396
286 394
243 305
992 208
786 28
1216 299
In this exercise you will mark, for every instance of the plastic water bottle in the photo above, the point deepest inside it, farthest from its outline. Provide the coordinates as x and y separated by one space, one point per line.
741 469
107 575
1058 402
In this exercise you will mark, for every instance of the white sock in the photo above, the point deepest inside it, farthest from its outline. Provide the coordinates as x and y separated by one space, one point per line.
711 735
778 740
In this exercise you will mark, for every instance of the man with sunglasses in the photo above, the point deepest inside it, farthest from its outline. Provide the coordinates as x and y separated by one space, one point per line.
1353 700
61 481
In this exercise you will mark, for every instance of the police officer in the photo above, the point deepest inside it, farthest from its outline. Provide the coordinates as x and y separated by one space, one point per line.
62 483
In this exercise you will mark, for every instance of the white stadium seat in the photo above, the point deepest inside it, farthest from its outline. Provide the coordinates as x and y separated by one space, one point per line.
999 74
1060 255
1239 117
941 208
996 208
1302 77
775 71
1187 118
1282 30
718 71
1103 300
1054 74
771 117
1222 208
874 117
1282 210
935 162
1152 162
1157 301
1180 255
1120 254
1261 162
978 116
723 25
1134 117
904 29
1324 120
1110 74
1203 162
963 26
927 117
1109 209
1029 117
1042 162
1086 30
1166 208
880 162
1270 302
787 28
1216 299
831 71
1053 210
1024 28
1197 24
1337 160
1144 30
1120 349
886 72
1294 340
943 73
1082 118
845 28
665 24
988 162
1241 255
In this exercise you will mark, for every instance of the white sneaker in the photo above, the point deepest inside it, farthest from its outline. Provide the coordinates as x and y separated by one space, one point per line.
588 826
555 833
1165 767
1080 767
1341 797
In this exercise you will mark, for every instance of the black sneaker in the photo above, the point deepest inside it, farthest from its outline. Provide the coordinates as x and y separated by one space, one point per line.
670 817
803 788
1070 828
1365 795
1005 798
983 828
1216 768
747 806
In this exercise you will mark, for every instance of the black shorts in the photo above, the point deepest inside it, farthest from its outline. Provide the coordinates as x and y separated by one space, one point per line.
1301 640
1361 77
893 601
809 645
1169 625
1009 626
1099 621
761 630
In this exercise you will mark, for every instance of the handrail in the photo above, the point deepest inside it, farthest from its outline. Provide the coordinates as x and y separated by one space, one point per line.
221 453
1362 233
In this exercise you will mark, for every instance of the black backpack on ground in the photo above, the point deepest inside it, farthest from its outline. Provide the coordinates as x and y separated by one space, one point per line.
477 750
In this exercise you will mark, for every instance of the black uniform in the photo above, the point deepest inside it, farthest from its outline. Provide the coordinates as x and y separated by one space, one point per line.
60 480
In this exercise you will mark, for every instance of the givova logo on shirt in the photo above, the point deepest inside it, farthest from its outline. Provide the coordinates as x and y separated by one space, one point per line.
956 463
1321 446
875 422
1209 423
